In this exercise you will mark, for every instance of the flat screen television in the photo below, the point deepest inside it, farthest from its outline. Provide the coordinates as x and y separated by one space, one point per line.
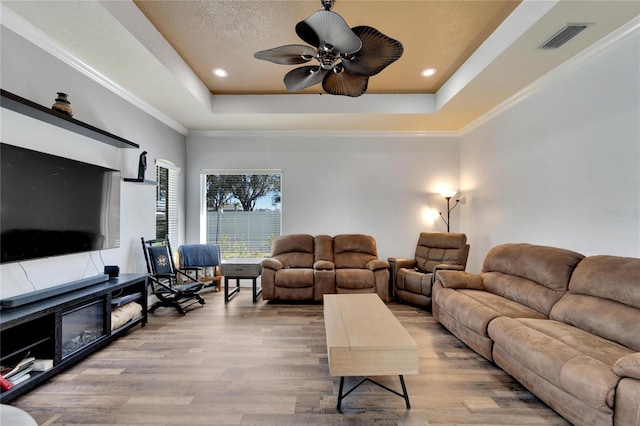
53 206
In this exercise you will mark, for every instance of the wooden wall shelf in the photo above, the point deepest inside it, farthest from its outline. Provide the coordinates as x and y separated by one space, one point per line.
56 118
142 181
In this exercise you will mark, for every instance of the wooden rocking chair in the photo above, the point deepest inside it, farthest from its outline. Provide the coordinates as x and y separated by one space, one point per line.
173 287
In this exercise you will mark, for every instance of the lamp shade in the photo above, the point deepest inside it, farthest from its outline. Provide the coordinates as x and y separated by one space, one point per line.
448 193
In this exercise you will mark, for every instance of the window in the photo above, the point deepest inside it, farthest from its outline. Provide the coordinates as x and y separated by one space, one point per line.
167 202
241 211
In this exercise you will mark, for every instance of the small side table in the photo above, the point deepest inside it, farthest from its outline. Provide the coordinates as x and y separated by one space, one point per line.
239 269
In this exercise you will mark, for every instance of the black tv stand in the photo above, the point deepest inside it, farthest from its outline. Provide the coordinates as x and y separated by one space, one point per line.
49 328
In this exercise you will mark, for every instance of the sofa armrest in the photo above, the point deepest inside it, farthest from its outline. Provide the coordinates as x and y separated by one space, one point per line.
401 262
395 264
628 366
323 265
444 267
447 267
460 280
377 264
272 263
627 410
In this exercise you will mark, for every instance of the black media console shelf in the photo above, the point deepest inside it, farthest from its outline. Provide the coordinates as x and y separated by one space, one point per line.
67 327
56 118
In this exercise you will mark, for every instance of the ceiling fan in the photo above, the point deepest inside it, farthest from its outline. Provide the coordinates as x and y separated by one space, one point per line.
347 56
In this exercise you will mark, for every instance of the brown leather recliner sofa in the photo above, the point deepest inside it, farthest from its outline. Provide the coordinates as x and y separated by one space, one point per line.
305 267
564 325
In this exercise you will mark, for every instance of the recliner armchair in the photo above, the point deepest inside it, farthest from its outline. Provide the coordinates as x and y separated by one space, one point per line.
358 269
412 279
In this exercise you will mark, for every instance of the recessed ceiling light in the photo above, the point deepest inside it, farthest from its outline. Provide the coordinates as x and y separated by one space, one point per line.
428 72
219 72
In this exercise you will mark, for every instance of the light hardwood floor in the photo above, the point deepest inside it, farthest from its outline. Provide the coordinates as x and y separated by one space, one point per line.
266 364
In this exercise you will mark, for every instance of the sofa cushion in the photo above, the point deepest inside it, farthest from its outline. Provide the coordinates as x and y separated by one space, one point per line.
604 299
436 248
572 359
294 278
355 278
475 309
414 281
521 290
608 277
353 250
294 251
602 317
535 276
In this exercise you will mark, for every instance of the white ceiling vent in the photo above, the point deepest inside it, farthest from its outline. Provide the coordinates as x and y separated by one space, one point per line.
565 34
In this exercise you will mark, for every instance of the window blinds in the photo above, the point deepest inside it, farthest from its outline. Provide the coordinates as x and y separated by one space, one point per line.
167 202
241 210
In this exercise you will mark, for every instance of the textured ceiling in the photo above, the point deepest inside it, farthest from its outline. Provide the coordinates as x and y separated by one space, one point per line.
226 34
159 55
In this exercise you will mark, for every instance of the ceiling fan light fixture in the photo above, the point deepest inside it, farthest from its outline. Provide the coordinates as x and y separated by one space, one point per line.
351 54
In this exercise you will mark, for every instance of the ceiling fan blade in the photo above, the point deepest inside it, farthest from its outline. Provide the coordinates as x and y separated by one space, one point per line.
326 27
378 51
290 54
303 77
345 83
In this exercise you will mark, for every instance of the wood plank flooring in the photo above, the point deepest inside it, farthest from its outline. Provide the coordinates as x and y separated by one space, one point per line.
266 364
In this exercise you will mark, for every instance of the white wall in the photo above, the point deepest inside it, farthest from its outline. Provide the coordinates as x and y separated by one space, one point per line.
334 184
31 73
562 166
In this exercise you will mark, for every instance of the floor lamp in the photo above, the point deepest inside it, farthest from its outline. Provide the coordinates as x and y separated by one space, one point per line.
448 195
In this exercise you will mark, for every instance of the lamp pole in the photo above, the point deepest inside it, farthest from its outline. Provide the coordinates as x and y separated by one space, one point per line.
448 213
447 221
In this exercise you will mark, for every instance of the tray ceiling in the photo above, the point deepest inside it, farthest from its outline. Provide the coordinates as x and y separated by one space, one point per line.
160 55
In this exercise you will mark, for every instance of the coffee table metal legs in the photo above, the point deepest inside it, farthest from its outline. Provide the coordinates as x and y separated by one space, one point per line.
404 393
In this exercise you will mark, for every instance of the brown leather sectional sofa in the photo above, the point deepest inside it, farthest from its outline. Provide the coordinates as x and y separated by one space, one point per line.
305 267
564 325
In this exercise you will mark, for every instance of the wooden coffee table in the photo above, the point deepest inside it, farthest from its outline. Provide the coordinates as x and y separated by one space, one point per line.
365 339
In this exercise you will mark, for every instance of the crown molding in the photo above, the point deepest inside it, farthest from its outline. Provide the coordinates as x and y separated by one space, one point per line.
617 37
27 31
370 134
